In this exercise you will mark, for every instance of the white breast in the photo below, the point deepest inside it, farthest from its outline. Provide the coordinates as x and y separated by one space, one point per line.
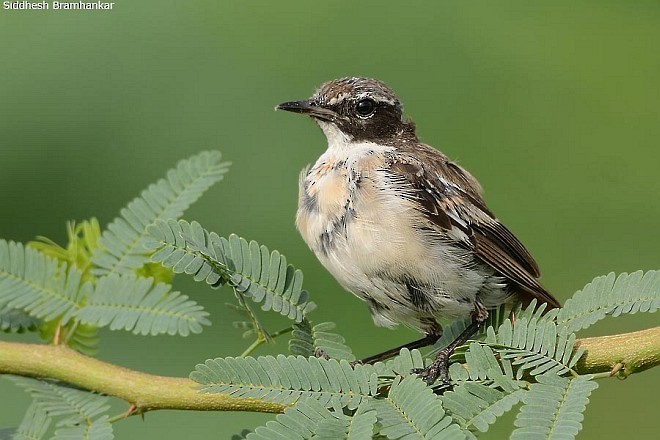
372 239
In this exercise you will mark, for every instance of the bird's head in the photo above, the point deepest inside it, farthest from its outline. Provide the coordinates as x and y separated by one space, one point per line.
361 109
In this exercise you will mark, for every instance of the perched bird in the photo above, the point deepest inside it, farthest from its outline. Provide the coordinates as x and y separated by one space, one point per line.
400 225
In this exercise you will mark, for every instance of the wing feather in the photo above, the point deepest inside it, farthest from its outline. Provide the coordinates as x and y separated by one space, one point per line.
450 197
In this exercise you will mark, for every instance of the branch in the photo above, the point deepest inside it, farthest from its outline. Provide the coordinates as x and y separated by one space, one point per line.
145 391
625 353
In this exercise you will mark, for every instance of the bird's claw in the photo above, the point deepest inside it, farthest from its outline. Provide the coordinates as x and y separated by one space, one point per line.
319 353
437 370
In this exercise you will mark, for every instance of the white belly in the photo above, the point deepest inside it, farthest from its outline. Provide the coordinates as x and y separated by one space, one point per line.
376 244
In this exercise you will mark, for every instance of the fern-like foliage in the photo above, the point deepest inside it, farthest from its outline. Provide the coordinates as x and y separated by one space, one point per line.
553 408
83 338
535 343
484 387
34 425
17 321
484 390
477 406
301 422
611 295
286 379
122 244
79 414
38 285
99 429
33 283
401 365
309 341
359 426
71 406
250 268
481 364
138 305
412 411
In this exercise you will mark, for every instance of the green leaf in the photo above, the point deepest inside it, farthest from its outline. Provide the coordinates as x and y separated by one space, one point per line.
298 422
122 244
359 426
477 406
307 341
308 419
71 405
535 343
553 408
480 362
288 379
135 304
401 365
412 411
7 433
34 425
252 270
83 338
17 321
36 284
99 429
610 295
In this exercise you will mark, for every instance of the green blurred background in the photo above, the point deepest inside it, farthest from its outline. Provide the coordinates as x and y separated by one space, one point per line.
555 107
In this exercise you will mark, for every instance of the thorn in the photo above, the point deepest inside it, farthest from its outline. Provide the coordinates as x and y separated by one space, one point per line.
131 410
57 337
617 368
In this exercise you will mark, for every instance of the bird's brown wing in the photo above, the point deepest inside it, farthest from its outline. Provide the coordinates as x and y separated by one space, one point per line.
451 199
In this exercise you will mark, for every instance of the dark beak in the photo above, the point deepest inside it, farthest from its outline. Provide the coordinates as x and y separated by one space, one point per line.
308 107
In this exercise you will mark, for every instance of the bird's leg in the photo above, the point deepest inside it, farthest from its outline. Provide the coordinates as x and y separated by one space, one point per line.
439 369
432 334
427 340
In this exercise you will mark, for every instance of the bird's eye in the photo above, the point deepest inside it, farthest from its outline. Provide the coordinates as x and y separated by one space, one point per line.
365 107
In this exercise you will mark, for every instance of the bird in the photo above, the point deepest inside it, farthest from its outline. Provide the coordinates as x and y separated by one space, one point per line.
400 225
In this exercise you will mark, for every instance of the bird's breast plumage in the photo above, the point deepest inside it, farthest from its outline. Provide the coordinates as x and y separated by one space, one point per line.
364 227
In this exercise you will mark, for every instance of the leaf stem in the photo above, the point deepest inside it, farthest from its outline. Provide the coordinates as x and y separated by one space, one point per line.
261 339
257 342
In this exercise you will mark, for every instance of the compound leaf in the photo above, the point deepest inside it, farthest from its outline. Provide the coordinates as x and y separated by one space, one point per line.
251 269
126 302
286 379
122 243
553 408
611 295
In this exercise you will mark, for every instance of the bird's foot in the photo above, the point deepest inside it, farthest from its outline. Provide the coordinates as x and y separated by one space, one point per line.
437 370
321 354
